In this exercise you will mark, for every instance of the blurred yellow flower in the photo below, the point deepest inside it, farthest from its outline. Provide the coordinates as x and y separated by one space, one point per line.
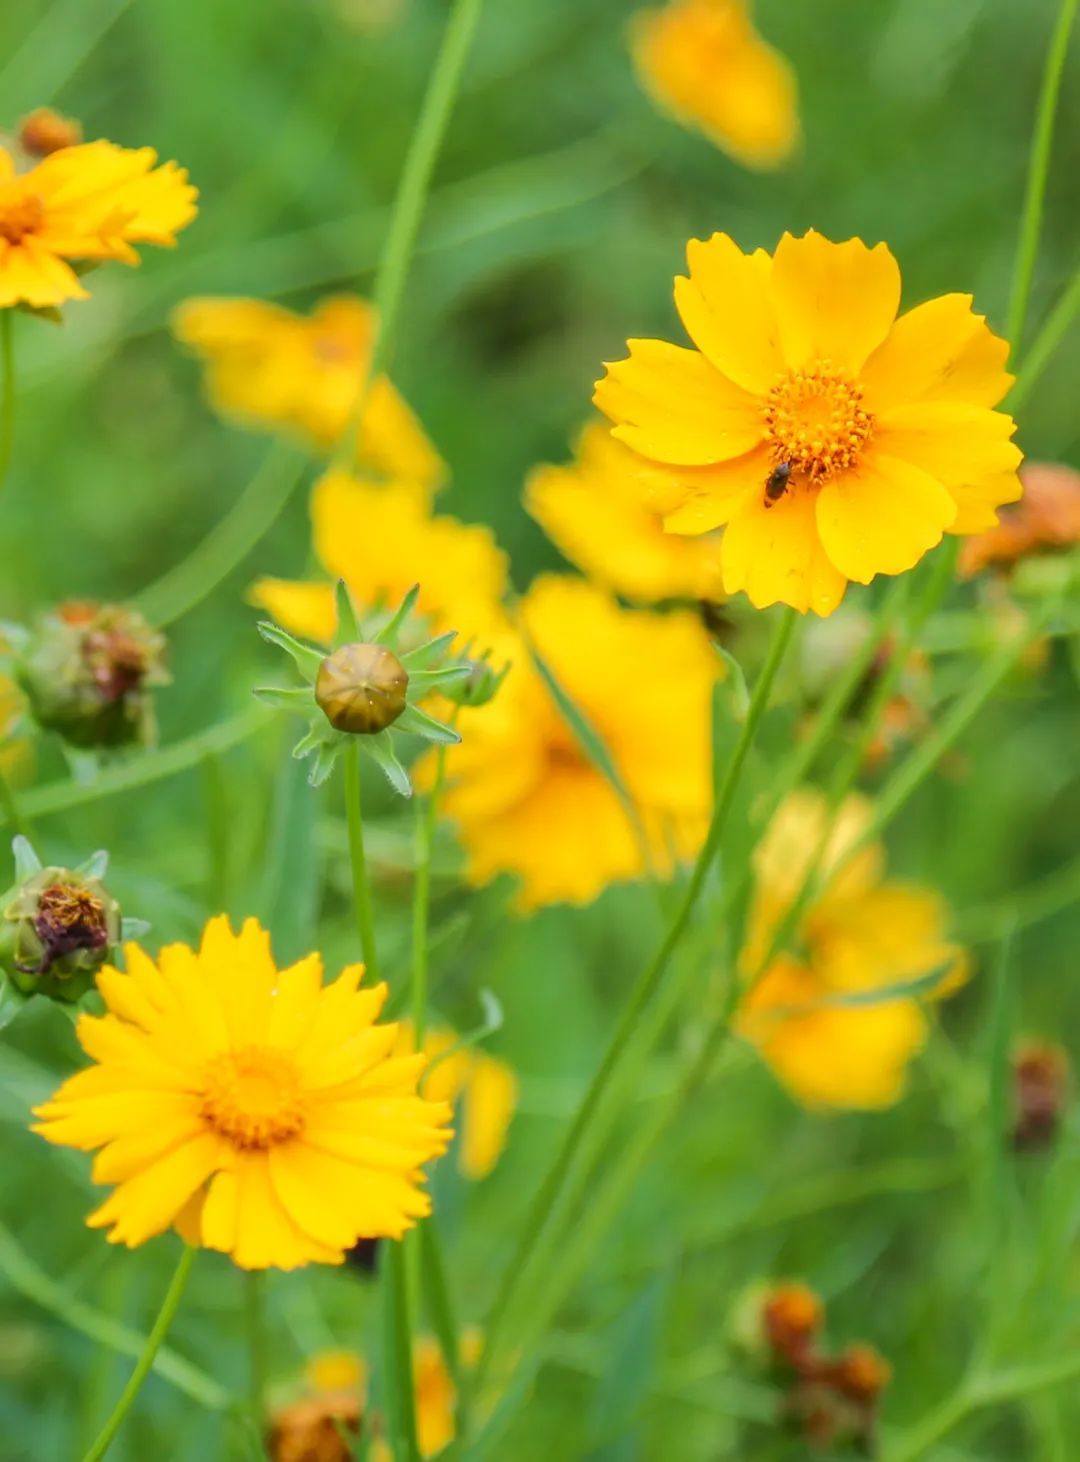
703 62
271 369
16 754
595 511
382 541
486 1087
89 202
259 1111
834 440
862 934
526 798
436 1396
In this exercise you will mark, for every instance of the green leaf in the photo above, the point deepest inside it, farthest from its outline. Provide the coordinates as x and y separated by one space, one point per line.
584 734
381 751
306 658
12 1002
296 699
738 694
419 723
491 1022
27 862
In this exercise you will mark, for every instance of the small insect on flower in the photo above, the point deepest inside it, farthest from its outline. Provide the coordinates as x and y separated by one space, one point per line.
777 483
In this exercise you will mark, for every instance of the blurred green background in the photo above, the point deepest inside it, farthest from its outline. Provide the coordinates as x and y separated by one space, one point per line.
561 209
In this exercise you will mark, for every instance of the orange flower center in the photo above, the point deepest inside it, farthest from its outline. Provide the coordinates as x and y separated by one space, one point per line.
815 420
20 216
252 1097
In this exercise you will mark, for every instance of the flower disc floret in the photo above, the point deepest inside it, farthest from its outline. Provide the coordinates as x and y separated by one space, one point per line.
816 422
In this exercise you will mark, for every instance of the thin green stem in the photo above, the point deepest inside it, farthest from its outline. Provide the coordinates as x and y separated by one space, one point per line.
537 1217
255 1319
26 1276
169 1306
1051 333
218 831
412 192
228 543
7 399
9 808
365 920
427 816
1038 171
398 1351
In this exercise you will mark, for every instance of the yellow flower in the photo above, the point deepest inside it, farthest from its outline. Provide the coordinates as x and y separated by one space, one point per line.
89 202
436 1396
486 1087
834 440
862 934
703 62
16 753
525 797
594 511
257 1110
271 369
381 541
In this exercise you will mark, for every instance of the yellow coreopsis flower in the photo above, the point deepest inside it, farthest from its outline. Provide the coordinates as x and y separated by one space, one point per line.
271 369
485 1086
381 541
256 1110
834 440
86 203
862 934
526 798
595 511
703 62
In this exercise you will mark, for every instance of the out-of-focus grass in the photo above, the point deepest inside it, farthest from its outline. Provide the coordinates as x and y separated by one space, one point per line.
560 212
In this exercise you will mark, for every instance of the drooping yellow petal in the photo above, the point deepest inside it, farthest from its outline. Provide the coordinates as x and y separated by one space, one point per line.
489 1106
833 302
882 518
775 555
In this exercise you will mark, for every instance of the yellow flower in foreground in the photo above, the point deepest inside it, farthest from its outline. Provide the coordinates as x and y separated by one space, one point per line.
486 1087
271 369
90 202
526 798
703 62
862 934
834 440
594 511
382 541
259 1111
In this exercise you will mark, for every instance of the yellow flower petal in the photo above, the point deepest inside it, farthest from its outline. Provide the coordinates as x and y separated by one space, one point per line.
939 351
489 1105
882 518
774 554
727 309
307 610
833 302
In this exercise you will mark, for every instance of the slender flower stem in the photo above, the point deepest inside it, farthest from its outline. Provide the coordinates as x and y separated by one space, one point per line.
169 1306
537 1217
228 543
7 399
255 1317
1052 332
365 921
1038 171
398 1346
9 807
427 816
408 209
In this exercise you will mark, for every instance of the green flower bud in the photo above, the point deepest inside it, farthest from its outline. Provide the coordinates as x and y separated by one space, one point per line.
479 686
87 670
58 926
362 688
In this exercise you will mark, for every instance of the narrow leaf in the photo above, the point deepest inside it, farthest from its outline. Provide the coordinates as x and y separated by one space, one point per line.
27 862
425 655
419 723
386 634
348 629
306 658
296 699
381 751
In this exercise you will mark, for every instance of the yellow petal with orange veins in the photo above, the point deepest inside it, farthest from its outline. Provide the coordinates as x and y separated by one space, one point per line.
727 310
882 518
672 405
710 496
833 302
307 610
774 555
939 351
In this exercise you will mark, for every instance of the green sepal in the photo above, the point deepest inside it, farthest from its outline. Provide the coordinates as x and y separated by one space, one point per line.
385 635
381 750
419 723
305 657
27 862
348 628
421 658
296 699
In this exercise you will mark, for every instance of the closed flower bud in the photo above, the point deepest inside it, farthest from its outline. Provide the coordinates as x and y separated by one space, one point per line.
87 670
45 131
479 686
57 928
362 688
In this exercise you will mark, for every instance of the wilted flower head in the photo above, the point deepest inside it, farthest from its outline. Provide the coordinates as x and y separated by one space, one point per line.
833 440
703 62
824 1020
1041 1082
88 670
791 1319
382 540
365 686
278 1127
80 205
58 926
595 511
271 369
1046 520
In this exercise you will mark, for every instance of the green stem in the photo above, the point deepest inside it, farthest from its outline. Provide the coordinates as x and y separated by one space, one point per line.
7 401
228 543
408 209
537 1217
398 1350
151 766
1038 171
169 1306
255 1318
218 832
427 815
1052 332
32 1281
9 808
365 921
